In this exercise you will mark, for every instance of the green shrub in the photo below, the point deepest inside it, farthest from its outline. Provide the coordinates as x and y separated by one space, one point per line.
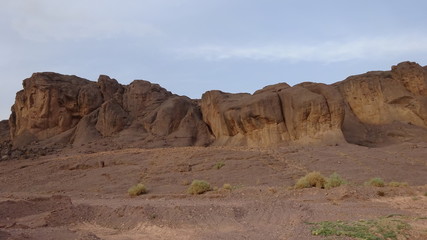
397 184
137 190
334 180
313 179
376 229
199 187
219 165
375 182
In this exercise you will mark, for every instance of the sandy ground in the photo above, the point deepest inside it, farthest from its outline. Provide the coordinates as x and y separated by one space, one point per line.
81 193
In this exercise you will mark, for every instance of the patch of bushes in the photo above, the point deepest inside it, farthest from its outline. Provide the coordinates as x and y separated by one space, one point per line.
375 182
199 187
377 229
334 180
313 179
137 190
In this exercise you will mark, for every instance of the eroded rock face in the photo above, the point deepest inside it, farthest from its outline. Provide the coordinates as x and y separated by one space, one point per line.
306 113
60 108
376 99
4 131
50 104
368 109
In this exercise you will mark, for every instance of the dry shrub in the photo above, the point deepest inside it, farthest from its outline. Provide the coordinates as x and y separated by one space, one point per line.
137 190
313 179
227 186
334 180
199 187
219 165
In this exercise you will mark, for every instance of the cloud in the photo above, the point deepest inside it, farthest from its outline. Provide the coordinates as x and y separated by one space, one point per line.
45 20
328 52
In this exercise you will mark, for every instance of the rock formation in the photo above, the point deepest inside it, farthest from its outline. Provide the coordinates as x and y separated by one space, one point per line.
369 109
69 109
307 112
390 103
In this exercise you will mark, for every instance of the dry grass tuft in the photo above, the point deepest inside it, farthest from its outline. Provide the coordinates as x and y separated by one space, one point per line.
313 179
227 186
137 190
375 182
219 165
199 187
334 180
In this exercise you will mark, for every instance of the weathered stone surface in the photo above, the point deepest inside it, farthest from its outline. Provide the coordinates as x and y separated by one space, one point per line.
68 109
112 118
384 97
313 112
377 99
369 109
412 76
275 114
110 89
50 104
4 131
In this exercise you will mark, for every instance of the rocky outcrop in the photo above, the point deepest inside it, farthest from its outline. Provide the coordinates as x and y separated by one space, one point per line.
69 109
4 131
305 113
369 109
378 99
51 104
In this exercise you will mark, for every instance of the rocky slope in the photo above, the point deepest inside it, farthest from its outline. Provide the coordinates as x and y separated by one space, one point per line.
368 109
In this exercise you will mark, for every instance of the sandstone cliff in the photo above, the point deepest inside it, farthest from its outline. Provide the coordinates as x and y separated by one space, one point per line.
305 113
68 109
369 109
385 106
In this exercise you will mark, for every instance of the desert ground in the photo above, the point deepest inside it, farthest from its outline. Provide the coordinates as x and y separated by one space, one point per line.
81 193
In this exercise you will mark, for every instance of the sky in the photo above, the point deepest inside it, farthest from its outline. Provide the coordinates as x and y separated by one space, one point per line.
192 46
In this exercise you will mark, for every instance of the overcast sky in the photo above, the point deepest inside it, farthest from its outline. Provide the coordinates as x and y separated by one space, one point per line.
191 46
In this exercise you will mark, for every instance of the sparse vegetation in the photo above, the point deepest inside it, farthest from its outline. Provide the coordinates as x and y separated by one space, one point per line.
227 186
272 190
313 179
425 194
199 187
392 227
219 165
137 190
375 182
334 180
397 184
381 193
